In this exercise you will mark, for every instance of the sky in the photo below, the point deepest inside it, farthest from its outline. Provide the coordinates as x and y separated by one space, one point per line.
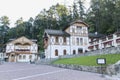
15 9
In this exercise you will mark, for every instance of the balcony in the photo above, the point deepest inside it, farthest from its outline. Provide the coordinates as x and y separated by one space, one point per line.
104 39
110 37
22 51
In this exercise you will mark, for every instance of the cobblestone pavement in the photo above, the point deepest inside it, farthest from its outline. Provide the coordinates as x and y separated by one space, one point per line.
25 71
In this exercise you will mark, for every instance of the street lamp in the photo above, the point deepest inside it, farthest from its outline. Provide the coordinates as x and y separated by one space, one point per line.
97 14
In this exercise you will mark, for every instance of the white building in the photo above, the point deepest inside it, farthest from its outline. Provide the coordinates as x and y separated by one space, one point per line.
73 39
21 50
96 43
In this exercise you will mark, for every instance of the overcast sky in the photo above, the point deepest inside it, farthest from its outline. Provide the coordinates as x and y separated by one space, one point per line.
15 9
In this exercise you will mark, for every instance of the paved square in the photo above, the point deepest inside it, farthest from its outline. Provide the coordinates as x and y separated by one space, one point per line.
25 71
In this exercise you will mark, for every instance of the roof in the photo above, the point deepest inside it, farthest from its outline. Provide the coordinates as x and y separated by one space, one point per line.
21 40
77 21
94 35
56 32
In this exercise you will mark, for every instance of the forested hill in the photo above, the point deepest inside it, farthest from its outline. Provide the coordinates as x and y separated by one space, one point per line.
103 16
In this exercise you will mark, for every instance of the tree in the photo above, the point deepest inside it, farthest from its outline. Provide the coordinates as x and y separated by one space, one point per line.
19 21
81 9
75 11
4 20
102 16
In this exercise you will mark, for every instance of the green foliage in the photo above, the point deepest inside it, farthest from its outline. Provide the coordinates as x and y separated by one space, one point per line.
104 16
4 20
89 60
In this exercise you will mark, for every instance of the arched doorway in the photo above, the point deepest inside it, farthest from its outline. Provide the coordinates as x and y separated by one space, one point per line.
74 52
80 50
64 52
12 58
56 52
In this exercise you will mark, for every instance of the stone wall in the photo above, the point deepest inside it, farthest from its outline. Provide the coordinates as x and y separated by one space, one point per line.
113 69
110 50
95 69
110 70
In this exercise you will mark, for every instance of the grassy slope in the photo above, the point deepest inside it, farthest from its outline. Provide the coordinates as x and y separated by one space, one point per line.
89 60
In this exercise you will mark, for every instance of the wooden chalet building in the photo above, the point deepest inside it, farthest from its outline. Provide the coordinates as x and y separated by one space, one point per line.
21 50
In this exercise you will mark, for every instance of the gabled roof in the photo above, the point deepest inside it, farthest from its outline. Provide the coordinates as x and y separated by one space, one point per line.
77 21
56 32
22 40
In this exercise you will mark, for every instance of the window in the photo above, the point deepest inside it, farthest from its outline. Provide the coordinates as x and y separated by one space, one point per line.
56 52
77 39
64 52
81 41
20 57
73 41
56 39
79 27
64 39
1 55
85 41
84 32
73 30
30 57
24 57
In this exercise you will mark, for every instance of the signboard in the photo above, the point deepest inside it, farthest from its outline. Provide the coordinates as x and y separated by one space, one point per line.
101 61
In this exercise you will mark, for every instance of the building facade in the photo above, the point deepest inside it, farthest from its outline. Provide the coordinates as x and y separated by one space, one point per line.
112 40
72 40
21 50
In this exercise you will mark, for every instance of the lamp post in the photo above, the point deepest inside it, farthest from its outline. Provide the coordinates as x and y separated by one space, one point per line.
97 14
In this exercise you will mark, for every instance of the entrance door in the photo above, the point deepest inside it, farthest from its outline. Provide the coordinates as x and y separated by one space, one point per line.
12 58
74 52
80 51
